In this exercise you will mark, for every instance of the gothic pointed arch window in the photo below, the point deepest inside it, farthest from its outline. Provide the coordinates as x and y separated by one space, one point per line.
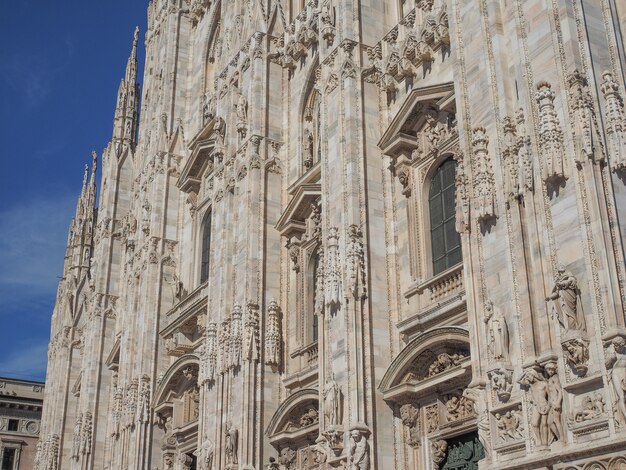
445 240
206 248
311 148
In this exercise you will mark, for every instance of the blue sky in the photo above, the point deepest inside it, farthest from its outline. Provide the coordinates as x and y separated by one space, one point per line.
60 67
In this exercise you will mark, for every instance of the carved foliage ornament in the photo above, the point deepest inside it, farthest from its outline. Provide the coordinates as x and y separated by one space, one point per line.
550 135
483 179
273 336
615 122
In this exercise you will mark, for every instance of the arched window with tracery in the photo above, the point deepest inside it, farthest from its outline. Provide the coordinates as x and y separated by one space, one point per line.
311 149
206 248
445 240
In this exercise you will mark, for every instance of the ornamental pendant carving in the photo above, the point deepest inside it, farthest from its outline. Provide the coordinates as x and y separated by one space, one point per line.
251 343
211 352
518 174
551 150
235 338
462 196
224 345
356 264
484 183
143 409
583 117
273 336
615 122
333 291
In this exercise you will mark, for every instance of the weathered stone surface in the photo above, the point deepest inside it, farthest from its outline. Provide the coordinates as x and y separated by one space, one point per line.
346 234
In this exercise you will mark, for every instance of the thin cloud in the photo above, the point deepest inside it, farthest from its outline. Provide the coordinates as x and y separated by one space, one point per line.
31 75
33 235
28 361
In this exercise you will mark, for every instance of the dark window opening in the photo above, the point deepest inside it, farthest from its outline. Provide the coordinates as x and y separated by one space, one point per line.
445 241
315 265
8 458
206 248
13 424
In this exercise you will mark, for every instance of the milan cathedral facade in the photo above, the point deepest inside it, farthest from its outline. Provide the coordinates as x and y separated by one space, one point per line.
352 234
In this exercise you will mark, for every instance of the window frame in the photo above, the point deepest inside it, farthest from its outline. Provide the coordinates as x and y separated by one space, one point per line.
436 169
205 249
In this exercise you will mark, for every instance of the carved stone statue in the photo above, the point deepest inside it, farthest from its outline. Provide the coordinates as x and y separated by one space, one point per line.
232 442
616 364
477 397
590 408
538 386
409 414
205 455
459 407
307 146
577 354
287 457
242 114
555 394
565 305
509 425
501 382
498 332
444 362
359 451
439 451
332 403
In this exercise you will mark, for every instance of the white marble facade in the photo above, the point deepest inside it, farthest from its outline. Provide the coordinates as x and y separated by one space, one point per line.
352 234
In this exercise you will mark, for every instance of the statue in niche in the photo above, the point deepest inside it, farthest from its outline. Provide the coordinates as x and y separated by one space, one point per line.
242 114
616 364
359 451
308 149
538 386
555 394
232 441
332 403
498 332
565 301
